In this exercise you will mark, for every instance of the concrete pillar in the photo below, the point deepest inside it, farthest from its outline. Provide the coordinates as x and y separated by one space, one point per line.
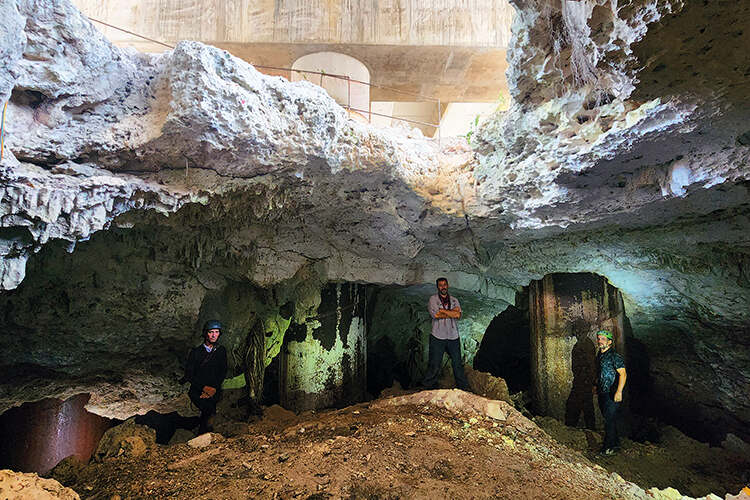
323 363
566 311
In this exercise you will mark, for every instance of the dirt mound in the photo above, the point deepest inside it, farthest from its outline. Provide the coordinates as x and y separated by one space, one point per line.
438 444
458 401
429 444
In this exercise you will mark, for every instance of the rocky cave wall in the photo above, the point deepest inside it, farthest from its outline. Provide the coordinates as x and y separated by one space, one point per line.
188 185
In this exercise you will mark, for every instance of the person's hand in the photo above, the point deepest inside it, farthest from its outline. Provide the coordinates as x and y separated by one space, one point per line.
593 389
440 314
618 397
208 392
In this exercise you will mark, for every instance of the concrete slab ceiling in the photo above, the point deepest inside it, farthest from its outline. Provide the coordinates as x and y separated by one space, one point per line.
451 50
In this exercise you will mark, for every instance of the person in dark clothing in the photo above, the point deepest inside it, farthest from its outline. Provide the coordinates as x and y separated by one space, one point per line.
610 382
205 370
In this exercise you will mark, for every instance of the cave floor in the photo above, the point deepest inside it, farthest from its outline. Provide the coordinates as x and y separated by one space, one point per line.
676 461
370 450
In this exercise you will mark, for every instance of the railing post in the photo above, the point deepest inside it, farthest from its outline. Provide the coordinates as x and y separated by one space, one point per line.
438 123
348 93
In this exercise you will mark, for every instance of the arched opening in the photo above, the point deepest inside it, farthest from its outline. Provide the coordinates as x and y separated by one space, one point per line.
350 93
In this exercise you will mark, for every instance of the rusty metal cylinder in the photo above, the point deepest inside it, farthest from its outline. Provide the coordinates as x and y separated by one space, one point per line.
34 437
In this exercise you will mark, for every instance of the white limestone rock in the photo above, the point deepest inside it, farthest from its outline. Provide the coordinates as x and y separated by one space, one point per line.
21 486
606 163
53 204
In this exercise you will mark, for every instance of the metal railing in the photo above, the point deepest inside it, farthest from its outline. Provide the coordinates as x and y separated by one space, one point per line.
349 81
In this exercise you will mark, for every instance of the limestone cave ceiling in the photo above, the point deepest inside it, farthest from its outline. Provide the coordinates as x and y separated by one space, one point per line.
179 177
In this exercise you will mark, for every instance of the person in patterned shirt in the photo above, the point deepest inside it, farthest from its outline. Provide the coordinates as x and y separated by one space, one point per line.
610 382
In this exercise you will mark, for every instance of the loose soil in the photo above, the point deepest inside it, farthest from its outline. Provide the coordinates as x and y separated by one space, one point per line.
433 444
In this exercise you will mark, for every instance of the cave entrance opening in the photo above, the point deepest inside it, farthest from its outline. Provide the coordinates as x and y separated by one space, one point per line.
348 84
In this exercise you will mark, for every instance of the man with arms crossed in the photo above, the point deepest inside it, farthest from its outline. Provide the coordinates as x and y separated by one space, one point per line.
445 312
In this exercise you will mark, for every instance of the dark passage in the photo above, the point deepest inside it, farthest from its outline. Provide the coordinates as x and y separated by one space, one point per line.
166 424
504 351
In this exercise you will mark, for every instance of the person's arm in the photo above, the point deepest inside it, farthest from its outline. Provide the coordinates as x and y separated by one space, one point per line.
620 384
222 366
449 313
221 372
433 307
189 368
455 310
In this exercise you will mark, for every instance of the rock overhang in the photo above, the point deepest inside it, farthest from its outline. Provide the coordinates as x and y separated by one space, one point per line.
650 191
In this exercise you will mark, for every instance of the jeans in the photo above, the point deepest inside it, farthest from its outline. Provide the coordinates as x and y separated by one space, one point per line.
609 411
438 347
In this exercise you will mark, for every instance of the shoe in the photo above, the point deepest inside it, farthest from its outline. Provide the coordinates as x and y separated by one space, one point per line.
609 452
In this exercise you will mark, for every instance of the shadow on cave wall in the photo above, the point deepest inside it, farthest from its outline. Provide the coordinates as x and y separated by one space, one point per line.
582 360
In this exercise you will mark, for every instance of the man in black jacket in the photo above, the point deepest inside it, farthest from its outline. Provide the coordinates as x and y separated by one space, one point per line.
205 370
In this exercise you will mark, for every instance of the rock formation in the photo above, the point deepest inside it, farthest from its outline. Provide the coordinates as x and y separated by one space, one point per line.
188 185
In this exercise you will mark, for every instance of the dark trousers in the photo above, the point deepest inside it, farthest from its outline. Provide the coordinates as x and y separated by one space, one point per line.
207 407
438 347
609 410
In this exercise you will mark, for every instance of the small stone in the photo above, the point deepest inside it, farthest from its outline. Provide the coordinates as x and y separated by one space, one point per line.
283 457
201 441
493 410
